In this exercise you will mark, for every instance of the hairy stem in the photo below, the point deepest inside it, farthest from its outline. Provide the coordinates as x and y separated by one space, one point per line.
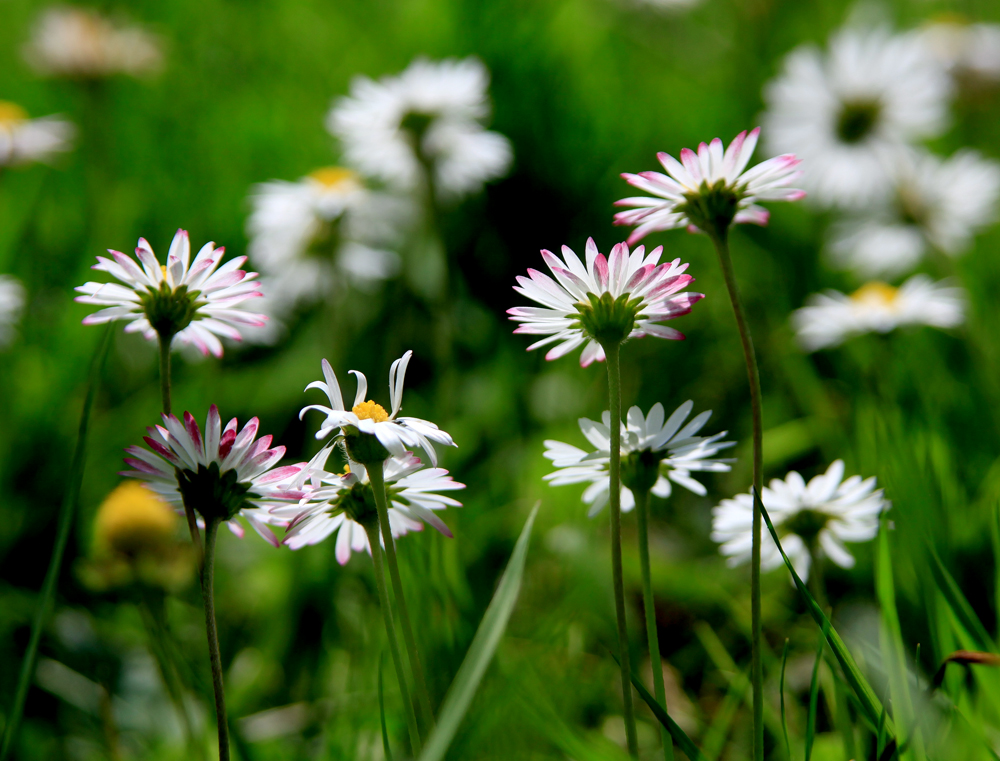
612 351
659 690
208 597
720 238
377 480
371 528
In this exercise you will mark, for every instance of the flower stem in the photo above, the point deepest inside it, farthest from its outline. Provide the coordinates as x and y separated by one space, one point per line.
612 351
371 528
720 237
208 597
659 690
377 480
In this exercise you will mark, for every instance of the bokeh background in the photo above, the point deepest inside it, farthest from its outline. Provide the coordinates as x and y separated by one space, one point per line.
584 90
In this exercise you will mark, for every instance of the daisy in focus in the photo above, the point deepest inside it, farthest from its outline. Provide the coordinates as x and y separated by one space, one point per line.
369 432
654 453
708 190
79 43
428 119
25 141
194 302
219 475
608 299
343 503
810 519
937 204
11 305
849 112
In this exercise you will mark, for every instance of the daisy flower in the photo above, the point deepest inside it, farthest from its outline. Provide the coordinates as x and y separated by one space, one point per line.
219 475
611 298
709 188
830 318
968 51
79 43
11 306
817 517
428 118
193 302
938 204
848 113
370 433
24 140
654 453
342 503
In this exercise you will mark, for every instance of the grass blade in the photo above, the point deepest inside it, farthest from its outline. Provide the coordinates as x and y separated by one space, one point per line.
781 693
381 713
963 611
484 644
814 699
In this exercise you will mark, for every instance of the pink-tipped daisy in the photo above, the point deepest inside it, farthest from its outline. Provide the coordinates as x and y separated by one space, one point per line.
708 189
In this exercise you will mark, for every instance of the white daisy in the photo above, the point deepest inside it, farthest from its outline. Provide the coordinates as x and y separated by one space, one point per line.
848 113
706 187
429 116
305 234
809 518
611 298
830 318
193 301
11 305
966 50
77 42
653 454
223 474
937 204
344 502
366 419
24 140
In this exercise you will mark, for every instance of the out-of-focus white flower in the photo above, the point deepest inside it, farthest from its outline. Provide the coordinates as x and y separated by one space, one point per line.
849 112
809 518
654 453
706 187
966 50
78 42
428 117
11 306
24 140
938 204
830 318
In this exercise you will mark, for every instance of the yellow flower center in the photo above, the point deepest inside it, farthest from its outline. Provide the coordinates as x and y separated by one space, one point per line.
11 114
876 293
335 178
370 411
133 519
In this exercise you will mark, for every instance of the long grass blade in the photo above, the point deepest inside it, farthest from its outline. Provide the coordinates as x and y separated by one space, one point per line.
814 699
484 644
781 693
959 604
381 713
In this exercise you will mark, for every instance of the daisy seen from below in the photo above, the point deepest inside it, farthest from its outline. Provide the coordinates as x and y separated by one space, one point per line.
847 113
80 43
25 141
830 318
937 204
11 305
607 299
709 189
654 453
811 519
424 125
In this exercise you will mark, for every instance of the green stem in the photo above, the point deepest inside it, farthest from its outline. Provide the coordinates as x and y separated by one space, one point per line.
371 528
612 351
66 515
720 238
659 690
215 657
377 479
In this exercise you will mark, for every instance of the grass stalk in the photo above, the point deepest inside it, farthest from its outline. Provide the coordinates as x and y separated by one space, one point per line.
211 630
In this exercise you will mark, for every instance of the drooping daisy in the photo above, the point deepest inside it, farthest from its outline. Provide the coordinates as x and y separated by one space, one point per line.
653 454
939 204
611 298
11 305
79 43
193 302
830 318
305 235
429 117
708 188
370 433
344 502
219 475
24 140
817 517
848 113
968 51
